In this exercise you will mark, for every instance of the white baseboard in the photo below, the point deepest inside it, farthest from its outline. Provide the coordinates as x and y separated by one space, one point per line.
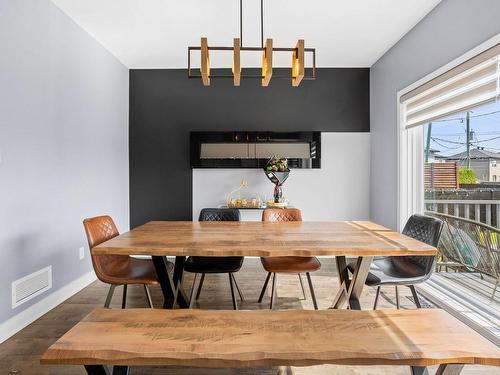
13 325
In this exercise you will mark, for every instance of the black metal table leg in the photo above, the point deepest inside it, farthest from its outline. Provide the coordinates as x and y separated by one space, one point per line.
167 287
182 299
343 274
351 290
358 282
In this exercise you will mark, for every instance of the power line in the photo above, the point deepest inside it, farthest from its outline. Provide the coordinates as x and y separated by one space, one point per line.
487 140
461 119
445 140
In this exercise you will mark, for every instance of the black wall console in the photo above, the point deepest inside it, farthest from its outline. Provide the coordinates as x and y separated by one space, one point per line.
241 149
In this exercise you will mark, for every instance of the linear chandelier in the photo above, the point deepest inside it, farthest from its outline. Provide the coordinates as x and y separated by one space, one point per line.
298 69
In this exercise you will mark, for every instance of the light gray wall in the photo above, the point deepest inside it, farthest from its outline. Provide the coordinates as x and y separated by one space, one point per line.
447 32
63 143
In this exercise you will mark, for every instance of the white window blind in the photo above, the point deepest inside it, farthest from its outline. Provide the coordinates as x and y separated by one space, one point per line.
472 83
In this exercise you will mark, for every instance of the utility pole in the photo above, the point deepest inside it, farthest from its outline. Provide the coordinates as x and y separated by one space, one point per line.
467 124
428 144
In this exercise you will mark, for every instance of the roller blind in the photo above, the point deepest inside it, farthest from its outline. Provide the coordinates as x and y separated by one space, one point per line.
468 85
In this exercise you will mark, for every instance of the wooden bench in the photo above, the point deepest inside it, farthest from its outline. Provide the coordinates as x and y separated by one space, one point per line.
237 339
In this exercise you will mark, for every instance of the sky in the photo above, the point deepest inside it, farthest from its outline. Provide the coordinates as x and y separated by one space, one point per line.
448 135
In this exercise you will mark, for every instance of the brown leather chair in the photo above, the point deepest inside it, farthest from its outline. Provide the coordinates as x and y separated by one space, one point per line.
274 265
117 269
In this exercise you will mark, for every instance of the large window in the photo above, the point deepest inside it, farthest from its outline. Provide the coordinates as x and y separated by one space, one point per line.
449 163
460 104
460 157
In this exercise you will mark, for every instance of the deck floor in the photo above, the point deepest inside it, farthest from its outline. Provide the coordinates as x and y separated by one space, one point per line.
21 353
469 297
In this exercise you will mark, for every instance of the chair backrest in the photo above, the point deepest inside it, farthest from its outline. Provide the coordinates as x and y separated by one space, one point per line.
219 214
281 214
98 230
425 229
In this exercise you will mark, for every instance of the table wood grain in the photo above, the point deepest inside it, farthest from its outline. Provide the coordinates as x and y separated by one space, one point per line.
186 238
420 337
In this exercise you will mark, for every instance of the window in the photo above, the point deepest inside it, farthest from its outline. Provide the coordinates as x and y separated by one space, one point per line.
494 178
460 93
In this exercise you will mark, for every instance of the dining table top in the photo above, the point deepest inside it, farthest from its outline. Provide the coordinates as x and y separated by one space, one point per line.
263 239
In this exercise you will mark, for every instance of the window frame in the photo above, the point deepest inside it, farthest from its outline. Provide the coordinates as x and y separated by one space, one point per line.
410 189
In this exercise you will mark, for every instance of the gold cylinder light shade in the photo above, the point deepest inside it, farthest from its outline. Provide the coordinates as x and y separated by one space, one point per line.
267 63
205 62
236 61
298 63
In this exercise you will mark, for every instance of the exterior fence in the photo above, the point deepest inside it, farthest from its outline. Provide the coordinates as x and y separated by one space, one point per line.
483 211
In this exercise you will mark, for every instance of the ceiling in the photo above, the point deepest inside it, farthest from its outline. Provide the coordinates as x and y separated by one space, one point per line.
156 33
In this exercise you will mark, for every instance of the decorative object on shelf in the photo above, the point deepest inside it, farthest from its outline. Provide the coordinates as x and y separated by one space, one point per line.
248 200
298 69
277 172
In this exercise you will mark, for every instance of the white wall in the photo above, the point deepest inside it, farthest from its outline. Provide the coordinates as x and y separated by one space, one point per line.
447 32
337 191
63 149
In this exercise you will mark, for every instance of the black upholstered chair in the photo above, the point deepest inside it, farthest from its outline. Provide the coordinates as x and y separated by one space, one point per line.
406 270
204 265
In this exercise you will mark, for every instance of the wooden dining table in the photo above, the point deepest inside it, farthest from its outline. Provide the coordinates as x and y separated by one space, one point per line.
362 240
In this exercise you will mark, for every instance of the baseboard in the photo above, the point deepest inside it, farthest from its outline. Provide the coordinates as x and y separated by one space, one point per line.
13 325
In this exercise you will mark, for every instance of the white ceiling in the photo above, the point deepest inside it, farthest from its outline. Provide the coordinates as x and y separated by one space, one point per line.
156 33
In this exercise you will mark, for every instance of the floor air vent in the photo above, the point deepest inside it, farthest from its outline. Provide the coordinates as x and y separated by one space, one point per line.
31 286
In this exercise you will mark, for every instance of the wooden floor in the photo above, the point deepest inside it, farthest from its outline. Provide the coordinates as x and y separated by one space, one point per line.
21 353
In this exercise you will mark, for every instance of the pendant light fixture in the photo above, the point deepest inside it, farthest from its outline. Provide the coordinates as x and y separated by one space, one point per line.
298 68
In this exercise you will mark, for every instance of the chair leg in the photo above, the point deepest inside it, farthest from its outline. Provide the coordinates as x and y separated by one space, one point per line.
233 296
191 296
148 296
264 287
376 298
312 290
201 286
124 298
397 297
273 291
302 285
237 288
415 296
110 295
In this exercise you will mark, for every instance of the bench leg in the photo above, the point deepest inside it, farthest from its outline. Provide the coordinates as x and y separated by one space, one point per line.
120 370
96 370
418 370
285 370
448 369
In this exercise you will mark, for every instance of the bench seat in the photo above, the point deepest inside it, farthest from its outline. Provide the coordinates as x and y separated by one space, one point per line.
236 339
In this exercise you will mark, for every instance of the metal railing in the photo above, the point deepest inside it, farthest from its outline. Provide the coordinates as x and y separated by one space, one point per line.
472 244
483 211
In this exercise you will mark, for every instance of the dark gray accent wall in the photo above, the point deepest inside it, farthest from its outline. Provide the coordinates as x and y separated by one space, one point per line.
165 106
447 32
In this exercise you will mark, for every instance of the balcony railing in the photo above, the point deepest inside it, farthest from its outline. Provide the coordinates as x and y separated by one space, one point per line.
476 246
483 211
